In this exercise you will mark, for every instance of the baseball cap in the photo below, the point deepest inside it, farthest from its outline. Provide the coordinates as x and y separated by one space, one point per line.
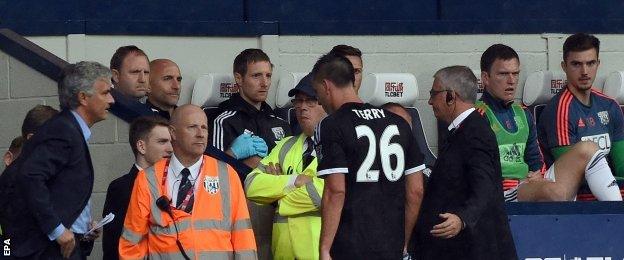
304 86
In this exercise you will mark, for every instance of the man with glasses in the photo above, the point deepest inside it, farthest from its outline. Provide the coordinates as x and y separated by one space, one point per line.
287 177
462 213
581 113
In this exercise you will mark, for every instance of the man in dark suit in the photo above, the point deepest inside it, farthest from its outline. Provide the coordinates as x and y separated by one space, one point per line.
150 141
55 175
462 214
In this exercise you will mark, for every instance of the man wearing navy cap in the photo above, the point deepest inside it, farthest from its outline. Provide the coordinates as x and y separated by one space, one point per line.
287 177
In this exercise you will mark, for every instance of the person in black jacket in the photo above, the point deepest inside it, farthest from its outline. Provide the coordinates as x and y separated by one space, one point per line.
462 214
150 141
34 119
55 175
246 114
130 76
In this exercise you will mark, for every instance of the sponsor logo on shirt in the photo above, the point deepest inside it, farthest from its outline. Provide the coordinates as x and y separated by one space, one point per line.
602 140
604 117
511 152
580 123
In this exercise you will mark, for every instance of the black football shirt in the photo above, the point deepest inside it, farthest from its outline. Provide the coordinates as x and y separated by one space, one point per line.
374 148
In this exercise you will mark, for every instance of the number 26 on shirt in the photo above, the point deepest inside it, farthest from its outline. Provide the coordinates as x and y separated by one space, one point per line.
386 149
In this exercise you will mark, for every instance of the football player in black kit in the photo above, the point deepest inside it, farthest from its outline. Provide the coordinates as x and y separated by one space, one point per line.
372 170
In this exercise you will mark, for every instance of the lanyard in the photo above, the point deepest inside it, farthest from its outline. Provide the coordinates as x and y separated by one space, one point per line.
190 192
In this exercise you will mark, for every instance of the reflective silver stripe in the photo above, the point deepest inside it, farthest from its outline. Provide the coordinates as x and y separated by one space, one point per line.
170 230
313 193
153 188
216 255
172 255
241 224
279 218
224 183
286 148
246 254
250 177
228 255
210 224
131 236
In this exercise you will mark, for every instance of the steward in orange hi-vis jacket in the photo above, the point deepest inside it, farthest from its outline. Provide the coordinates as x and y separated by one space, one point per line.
218 226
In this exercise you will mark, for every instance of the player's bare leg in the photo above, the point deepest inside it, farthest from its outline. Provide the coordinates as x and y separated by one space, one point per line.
583 160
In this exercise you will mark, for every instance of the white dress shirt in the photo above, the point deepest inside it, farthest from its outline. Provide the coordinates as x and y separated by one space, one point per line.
174 177
460 118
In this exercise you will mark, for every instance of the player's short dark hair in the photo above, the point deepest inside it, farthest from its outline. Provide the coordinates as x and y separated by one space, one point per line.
249 56
346 50
36 117
121 53
580 42
497 52
141 127
16 145
335 68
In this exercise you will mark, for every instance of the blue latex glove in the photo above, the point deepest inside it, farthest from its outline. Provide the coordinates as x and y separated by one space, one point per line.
260 145
243 147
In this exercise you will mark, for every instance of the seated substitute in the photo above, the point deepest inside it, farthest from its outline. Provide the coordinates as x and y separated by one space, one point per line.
246 114
514 127
580 113
165 85
287 177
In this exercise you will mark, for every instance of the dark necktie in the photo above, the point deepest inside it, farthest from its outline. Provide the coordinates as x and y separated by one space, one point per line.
307 154
183 189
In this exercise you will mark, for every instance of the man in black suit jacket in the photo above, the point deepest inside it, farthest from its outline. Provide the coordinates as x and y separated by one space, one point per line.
55 176
462 214
150 141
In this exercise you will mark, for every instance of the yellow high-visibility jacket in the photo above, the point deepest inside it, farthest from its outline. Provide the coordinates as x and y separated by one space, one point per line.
297 222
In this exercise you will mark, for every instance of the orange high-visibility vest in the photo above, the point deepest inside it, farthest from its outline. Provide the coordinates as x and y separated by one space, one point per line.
217 228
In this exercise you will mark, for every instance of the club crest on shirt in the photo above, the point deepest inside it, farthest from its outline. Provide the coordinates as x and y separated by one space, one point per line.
604 117
211 184
278 132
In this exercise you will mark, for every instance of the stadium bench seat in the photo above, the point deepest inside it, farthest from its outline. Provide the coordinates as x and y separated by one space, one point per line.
614 87
211 89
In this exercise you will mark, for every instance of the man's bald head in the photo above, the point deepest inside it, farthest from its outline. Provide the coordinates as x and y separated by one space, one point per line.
185 111
399 110
165 84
